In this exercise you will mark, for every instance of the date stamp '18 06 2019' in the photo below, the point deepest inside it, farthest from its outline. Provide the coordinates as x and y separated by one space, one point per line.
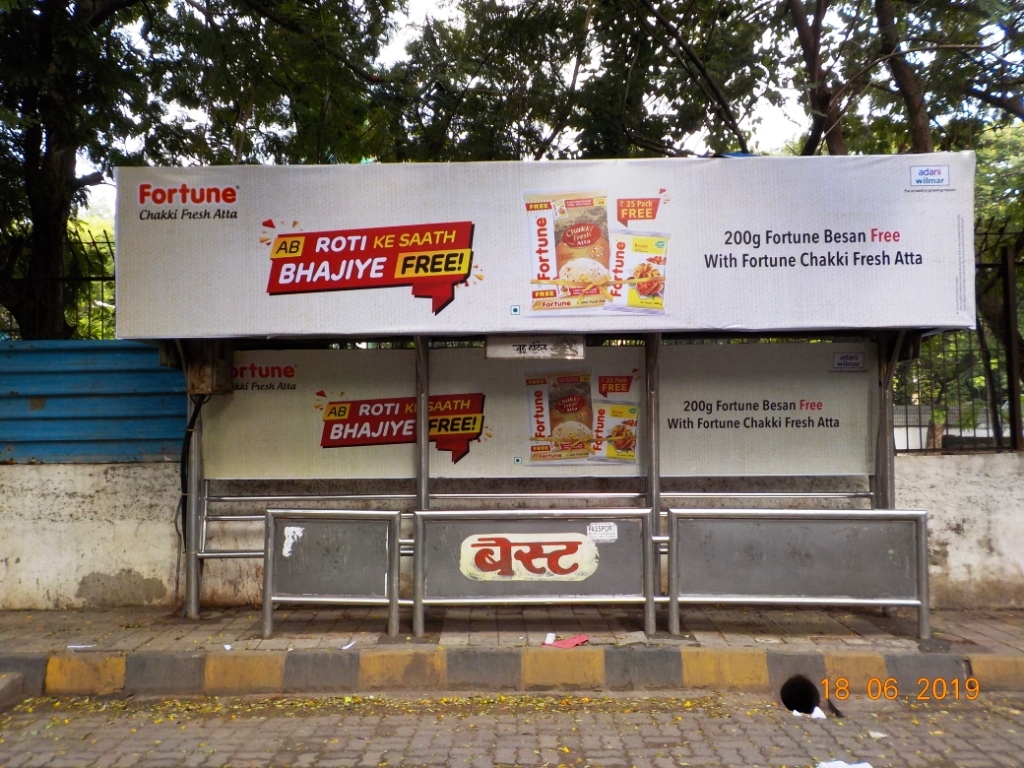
926 689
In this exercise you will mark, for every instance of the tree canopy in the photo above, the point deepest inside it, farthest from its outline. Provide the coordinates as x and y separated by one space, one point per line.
301 81
144 81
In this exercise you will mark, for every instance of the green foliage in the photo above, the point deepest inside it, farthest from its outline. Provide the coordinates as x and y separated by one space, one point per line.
129 81
964 57
999 183
595 78
569 78
950 375
500 86
250 82
668 73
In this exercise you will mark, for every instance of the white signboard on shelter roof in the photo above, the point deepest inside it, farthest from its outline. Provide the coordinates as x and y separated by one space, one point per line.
752 244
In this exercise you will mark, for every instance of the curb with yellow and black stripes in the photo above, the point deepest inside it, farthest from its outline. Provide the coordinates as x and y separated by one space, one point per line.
611 668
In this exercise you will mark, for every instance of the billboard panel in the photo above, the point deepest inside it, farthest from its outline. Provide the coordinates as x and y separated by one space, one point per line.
749 244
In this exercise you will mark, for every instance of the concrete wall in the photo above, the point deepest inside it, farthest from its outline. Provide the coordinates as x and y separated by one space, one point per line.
104 534
78 535
976 525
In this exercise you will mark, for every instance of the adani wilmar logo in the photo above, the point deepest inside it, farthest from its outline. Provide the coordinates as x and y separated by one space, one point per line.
186 202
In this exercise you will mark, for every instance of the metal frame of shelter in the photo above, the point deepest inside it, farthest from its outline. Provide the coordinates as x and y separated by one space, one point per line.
652 506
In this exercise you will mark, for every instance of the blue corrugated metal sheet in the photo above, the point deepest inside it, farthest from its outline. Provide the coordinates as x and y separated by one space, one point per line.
88 402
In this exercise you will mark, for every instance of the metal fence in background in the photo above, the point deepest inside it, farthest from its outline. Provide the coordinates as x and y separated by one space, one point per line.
955 396
963 393
88 290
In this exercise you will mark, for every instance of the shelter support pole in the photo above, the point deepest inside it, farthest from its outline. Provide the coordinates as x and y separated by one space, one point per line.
885 453
269 534
652 554
1013 361
394 573
422 422
193 516
673 574
422 473
924 630
418 576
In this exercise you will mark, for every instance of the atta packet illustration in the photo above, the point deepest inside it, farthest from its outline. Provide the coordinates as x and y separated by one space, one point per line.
569 249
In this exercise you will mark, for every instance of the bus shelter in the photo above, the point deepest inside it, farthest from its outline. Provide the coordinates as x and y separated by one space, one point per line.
506 382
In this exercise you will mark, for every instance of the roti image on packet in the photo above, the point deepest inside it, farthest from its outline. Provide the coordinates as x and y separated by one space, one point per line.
569 249
638 266
616 432
562 417
571 412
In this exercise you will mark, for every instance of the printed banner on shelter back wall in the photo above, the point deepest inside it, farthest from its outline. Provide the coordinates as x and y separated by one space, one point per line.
352 414
757 244
735 409
768 409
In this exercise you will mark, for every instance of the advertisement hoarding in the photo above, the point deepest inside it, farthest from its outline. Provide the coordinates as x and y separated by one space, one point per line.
752 244
352 414
735 409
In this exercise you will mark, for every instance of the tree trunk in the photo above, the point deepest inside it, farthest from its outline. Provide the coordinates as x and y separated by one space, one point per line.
50 189
993 312
906 80
935 432
50 146
825 110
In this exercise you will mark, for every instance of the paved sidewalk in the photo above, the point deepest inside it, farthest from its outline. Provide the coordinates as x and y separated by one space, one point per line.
486 648
158 629
734 730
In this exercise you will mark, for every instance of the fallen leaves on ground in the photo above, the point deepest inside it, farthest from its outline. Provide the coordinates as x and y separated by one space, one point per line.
183 709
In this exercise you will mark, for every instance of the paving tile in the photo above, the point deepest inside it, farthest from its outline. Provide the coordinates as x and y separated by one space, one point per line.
807 623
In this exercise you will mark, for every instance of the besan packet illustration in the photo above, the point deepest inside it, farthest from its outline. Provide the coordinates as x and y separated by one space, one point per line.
638 266
616 430
569 249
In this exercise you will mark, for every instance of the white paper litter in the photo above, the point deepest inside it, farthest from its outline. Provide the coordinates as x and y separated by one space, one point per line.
841 764
817 714
877 735
549 638
227 646
346 647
